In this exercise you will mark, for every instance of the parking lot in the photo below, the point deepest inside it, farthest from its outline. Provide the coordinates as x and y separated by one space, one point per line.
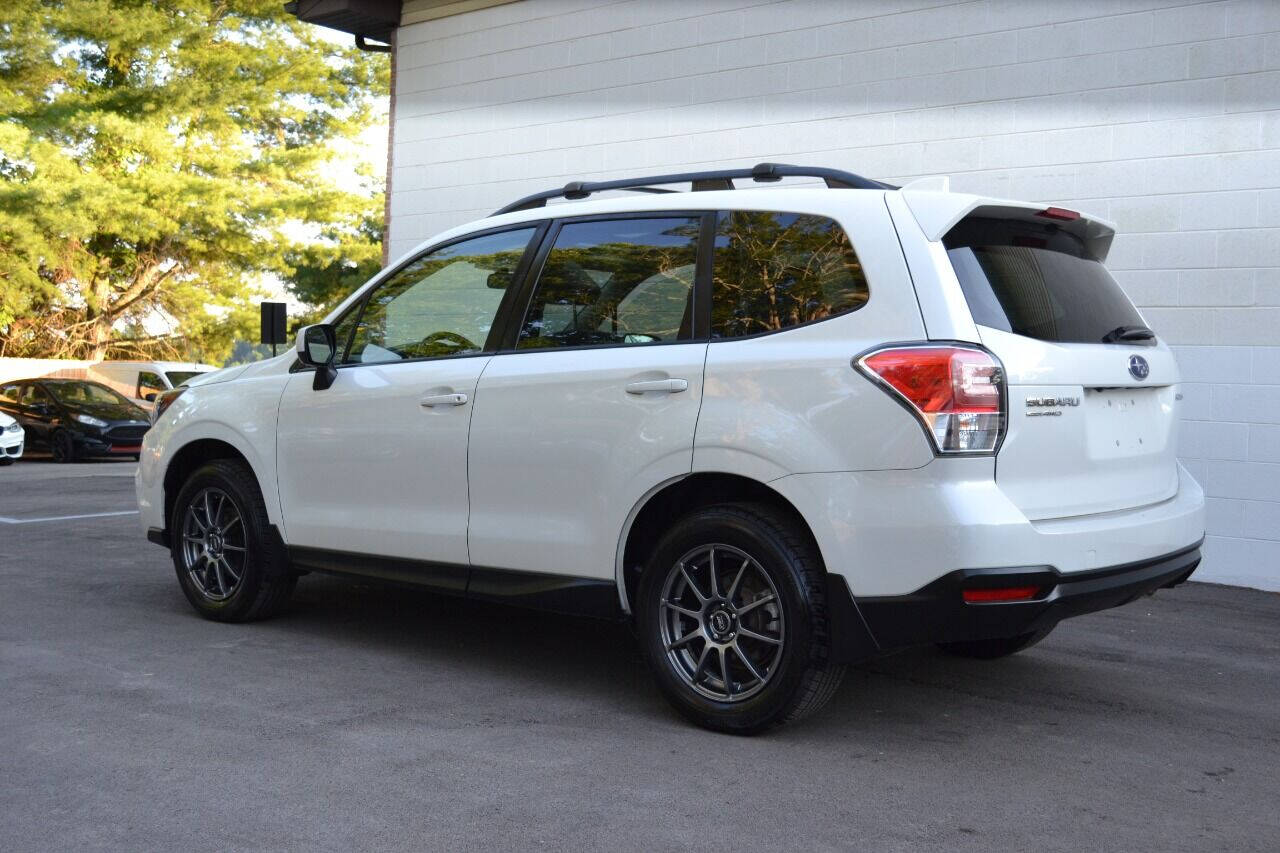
376 718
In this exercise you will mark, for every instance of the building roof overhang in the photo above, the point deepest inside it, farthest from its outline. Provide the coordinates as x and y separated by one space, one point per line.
373 19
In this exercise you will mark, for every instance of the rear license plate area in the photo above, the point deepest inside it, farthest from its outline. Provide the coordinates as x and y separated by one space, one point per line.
1124 422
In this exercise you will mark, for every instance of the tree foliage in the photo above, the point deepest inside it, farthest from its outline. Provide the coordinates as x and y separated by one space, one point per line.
159 158
774 270
348 254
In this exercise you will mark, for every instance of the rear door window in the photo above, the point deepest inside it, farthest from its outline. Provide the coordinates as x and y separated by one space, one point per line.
1039 281
777 270
615 282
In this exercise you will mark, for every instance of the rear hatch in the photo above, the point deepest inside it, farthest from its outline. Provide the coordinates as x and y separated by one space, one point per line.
1092 419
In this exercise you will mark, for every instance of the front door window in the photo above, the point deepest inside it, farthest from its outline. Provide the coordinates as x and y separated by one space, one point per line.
442 304
150 386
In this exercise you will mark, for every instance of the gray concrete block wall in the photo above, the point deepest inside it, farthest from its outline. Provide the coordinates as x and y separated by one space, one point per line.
1161 115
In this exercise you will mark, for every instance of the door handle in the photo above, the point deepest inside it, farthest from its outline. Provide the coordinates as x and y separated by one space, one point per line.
667 386
443 400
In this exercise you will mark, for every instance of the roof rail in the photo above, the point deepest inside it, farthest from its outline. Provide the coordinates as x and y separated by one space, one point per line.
721 179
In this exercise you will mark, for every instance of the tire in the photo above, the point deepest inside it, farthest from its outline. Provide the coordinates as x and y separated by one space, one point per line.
250 577
63 447
997 648
767 682
5 460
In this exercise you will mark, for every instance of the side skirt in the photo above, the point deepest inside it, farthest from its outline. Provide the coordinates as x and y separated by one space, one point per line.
593 597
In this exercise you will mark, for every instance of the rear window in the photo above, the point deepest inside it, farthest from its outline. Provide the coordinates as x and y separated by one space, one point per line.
177 377
1039 281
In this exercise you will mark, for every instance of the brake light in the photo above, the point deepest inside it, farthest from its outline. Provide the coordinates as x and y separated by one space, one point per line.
165 400
957 392
1004 593
1059 213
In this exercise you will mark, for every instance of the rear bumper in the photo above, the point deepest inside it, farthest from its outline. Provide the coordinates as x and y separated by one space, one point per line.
938 611
891 533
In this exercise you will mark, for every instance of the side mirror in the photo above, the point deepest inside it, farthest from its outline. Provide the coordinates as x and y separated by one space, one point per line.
500 279
317 348
149 397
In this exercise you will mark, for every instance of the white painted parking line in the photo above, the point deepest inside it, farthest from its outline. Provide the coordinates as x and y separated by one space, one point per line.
4 520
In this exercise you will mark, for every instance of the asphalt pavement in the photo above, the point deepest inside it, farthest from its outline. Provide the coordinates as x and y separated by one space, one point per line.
375 718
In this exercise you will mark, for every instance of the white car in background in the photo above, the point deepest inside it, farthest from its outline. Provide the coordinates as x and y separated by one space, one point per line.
780 430
144 381
12 438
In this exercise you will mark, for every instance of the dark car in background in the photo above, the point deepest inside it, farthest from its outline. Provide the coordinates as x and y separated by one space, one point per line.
75 418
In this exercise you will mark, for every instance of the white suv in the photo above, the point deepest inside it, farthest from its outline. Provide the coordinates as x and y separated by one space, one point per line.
779 429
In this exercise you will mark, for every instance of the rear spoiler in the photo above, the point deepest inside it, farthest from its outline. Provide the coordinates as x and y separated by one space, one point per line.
938 211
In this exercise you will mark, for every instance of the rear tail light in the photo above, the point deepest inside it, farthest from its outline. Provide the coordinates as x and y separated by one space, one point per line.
957 392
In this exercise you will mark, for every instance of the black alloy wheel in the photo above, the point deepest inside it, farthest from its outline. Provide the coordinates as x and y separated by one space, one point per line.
732 618
230 563
214 544
723 633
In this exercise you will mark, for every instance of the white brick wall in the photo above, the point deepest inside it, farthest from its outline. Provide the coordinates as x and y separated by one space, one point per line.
1163 115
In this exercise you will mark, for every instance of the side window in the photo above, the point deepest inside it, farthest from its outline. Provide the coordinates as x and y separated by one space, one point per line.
149 383
342 331
777 270
441 304
616 281
37 396
9 393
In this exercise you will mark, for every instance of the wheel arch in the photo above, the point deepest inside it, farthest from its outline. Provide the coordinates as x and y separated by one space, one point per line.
191 456
667 502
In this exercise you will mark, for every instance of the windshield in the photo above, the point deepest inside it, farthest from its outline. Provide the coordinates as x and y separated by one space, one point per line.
1041 282
177 377
81 393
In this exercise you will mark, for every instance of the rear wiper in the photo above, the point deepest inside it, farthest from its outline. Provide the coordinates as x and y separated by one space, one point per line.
1128 333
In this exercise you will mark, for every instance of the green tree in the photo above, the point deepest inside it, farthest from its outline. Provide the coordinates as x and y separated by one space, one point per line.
326 271
159 158
774 270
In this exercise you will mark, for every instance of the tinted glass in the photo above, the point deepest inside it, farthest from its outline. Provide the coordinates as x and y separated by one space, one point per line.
342 332
776 270
617 281
1038 281
36 396
9 393
149 383
78 393
177 377
440 305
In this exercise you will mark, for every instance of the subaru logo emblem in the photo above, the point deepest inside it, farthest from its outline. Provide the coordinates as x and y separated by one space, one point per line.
1138 367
